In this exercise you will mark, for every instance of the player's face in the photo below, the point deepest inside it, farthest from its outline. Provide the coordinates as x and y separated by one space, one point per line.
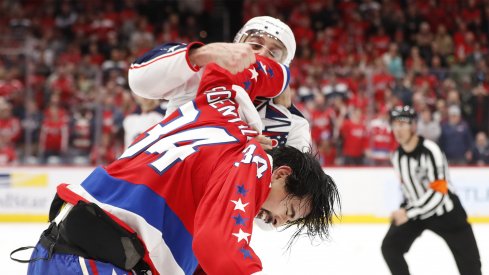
279 207
265 45
403 130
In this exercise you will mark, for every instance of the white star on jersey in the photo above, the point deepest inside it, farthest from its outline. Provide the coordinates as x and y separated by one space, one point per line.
239 205
254 74
241 235
172 49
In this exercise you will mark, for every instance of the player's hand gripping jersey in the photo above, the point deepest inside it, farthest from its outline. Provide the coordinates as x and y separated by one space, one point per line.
166 72
191 185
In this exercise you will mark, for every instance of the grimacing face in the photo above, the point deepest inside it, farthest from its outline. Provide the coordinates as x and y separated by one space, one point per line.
279 207
265 45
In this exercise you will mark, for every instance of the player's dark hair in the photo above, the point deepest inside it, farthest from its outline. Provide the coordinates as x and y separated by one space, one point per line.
311 184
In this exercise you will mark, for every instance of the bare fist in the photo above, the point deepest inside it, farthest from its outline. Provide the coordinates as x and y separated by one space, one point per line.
399 216
233 57
265 142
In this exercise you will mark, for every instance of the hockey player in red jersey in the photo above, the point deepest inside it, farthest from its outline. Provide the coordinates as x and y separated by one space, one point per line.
184 195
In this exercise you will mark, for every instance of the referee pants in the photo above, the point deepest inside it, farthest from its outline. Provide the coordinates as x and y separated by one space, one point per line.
452 227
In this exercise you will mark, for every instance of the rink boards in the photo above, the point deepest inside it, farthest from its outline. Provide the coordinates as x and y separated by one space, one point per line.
368 194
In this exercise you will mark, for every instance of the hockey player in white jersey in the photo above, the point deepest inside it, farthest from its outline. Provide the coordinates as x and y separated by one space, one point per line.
148 114
173 71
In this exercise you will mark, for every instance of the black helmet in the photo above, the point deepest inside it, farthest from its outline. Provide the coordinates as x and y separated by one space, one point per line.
403 113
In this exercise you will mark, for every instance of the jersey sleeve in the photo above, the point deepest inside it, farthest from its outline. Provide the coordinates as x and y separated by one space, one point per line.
158 72
437 189
224 219
265 78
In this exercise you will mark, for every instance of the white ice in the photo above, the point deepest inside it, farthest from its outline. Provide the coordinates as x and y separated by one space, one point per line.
354 249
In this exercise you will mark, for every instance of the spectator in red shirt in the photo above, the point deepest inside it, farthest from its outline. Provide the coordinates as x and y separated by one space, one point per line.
327 152
380 41
471 14
381 81
62 83
355 138
53 140
9 124
381 140
321 121
10 86
7 152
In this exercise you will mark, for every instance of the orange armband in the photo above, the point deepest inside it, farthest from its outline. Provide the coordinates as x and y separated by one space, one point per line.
440 186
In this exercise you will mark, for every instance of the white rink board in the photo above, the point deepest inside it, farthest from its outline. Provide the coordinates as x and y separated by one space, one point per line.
376 191
364 191
354 249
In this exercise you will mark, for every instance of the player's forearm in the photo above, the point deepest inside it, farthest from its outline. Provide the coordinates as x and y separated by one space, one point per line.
158 72
200 56
426 205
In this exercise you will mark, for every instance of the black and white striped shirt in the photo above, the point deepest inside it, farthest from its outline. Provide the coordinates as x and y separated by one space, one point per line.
419 170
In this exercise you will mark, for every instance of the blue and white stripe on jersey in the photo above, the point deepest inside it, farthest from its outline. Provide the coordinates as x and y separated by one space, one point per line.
158 53
286 73
173 255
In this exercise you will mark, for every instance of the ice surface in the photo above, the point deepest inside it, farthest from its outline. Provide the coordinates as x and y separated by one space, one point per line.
354 249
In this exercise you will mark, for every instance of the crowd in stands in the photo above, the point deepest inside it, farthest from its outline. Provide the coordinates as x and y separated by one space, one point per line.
63 72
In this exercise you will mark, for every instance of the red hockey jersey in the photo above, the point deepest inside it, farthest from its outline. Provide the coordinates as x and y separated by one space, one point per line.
191 185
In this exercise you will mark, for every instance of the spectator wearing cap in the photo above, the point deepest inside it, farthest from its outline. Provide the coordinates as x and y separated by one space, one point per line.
456 139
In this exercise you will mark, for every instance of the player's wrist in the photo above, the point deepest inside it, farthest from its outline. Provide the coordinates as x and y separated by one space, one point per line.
198 55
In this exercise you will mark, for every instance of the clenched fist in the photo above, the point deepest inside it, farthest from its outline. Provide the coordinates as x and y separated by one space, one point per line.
233 57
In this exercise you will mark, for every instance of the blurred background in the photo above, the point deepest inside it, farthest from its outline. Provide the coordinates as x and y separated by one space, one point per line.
63 72
64 98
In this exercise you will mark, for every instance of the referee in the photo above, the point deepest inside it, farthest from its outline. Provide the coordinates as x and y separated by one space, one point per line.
428 201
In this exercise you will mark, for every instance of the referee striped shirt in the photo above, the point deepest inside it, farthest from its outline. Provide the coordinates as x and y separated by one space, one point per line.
424 180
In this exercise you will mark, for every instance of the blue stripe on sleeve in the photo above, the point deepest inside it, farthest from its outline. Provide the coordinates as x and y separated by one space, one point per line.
287 77
158 51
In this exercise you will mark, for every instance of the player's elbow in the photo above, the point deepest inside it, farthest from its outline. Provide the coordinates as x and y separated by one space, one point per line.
142 85
213 255
208 251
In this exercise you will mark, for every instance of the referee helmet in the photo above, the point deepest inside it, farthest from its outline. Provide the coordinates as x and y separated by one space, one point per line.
403 113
